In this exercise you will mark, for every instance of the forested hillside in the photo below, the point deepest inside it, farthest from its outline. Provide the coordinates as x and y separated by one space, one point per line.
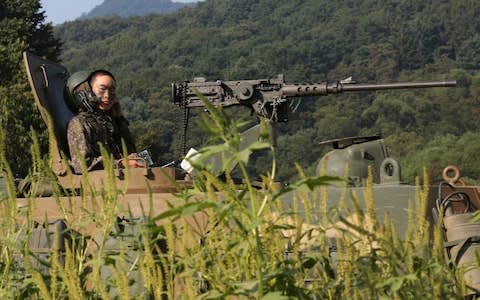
308 41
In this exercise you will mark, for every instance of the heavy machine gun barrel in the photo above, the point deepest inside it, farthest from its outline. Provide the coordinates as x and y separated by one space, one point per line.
322 89
271 98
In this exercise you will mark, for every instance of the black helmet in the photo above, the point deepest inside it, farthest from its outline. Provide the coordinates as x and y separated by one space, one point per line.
78 93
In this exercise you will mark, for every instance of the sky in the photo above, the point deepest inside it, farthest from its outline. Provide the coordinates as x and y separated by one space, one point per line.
59 11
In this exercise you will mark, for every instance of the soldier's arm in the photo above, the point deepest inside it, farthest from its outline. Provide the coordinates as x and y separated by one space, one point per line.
80 147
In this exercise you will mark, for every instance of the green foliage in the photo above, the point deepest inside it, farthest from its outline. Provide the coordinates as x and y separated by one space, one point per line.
21 28
251 246
305 40
439 152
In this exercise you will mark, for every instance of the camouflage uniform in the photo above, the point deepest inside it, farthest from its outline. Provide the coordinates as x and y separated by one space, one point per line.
87 131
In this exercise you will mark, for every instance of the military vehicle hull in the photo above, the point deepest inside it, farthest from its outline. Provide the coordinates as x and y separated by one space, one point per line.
135 193
47 80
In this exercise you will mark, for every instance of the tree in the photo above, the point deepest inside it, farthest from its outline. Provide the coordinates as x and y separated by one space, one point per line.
22 28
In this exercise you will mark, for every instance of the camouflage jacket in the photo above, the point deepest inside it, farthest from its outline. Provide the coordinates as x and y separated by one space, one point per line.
87 132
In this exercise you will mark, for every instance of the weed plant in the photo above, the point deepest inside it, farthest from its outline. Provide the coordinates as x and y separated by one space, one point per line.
222 239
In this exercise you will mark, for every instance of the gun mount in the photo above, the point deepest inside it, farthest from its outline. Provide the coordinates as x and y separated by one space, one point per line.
271 98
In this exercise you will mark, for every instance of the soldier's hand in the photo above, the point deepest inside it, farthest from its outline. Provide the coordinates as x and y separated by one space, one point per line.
134 161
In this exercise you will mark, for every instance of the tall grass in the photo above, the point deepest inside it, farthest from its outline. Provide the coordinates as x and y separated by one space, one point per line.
258 241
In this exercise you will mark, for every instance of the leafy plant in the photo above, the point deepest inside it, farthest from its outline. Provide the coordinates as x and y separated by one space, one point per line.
260 240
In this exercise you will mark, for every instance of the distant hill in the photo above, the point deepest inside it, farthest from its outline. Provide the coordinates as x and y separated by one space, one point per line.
127 8
307 41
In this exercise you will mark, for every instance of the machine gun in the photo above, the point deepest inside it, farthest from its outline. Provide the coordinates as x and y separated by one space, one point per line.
271 98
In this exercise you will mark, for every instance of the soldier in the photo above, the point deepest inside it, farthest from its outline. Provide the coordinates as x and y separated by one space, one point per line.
99 121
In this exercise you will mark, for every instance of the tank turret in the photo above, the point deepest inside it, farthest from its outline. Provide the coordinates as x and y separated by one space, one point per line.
352 156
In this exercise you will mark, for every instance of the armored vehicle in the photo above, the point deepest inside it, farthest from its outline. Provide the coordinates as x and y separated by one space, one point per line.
351 157
359 160
133 194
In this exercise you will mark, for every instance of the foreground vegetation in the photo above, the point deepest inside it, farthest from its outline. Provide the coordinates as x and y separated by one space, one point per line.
268 242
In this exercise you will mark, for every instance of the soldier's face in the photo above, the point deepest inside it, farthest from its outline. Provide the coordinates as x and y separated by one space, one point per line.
104 88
